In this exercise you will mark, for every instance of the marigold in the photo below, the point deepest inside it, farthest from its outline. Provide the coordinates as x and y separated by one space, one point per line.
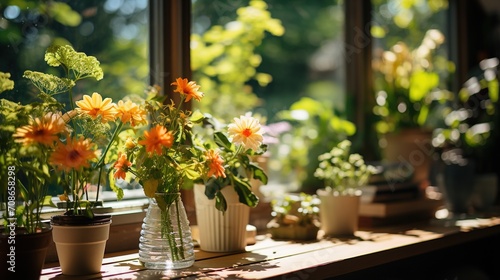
74 154
121 165
156 138
190 89
41 130
129 112
215 163
246 131
94 107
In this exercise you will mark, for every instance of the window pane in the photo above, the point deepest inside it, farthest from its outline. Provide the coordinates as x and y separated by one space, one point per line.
114 31
411 62
265 56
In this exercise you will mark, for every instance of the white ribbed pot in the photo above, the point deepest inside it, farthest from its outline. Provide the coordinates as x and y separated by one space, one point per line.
80 248
338 214
221 232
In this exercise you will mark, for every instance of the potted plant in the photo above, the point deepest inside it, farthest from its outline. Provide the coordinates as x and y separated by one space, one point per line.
224 195
344 173
409 101
464 143
72 143
24 236
295 217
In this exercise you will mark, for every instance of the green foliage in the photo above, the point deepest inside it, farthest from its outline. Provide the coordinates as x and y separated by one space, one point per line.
316 127
342 171
410 84
472 117
224 60
77 65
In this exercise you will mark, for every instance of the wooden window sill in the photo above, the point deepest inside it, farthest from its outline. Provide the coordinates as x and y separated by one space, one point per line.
386 248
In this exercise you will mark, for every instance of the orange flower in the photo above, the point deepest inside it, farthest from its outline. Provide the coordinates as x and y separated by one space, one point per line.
41 130
190 89
246 131
215 162
157 137
74 154
130 112
121 166
94 106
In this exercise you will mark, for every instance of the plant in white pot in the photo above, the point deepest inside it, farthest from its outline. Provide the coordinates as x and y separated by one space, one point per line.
224 194
344 173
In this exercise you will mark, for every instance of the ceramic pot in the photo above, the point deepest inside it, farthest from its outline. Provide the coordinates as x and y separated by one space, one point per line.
221 232
22 255
338 214
80 242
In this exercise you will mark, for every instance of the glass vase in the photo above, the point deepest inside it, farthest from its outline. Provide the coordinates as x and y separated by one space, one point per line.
165 241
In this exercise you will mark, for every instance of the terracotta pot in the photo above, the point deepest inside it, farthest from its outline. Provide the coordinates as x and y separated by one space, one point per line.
338 213
22 255
80 243
413 150
221 232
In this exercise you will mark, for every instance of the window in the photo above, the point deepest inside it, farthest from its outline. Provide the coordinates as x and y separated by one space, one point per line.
282 61
114 31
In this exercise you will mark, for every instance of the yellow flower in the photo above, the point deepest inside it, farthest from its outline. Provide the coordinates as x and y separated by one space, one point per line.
41 130
129 143
150 186
246 131
130 112
157 138
73 154
190 89
94 107
215 163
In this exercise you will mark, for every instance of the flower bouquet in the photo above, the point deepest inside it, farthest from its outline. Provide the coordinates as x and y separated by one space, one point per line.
68 144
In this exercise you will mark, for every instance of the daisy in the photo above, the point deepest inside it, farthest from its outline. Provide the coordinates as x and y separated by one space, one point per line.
73 154
129 112
94 107
121 166
41 130
190 89
157 138
246 131
215 162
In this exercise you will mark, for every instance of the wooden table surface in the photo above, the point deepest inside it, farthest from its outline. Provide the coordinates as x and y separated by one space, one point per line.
272 259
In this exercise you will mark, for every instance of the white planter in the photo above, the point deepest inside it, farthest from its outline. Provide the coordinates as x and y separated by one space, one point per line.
338 214
221 232
80 248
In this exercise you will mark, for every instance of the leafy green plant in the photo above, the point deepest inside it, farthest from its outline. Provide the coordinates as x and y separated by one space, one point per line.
25 171
342 171
224 60
471 118
410 85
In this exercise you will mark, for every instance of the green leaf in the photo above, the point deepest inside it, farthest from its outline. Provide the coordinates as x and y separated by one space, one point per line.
222 141
197 117
220 202
47 201
421 83
258 173
78 62
245 194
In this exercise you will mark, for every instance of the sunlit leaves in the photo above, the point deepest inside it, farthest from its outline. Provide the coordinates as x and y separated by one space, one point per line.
78 63
48 83
5 82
